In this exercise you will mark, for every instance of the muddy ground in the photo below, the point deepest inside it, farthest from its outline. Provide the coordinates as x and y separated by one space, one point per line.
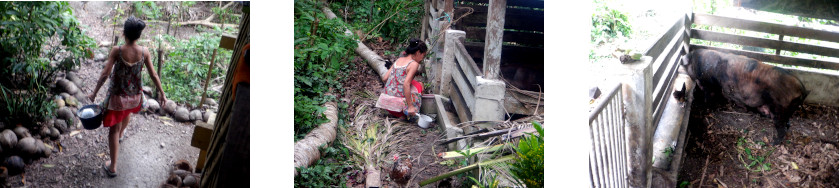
151 143
722 137
364 86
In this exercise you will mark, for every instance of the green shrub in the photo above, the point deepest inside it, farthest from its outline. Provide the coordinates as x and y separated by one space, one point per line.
326 172
529 166
608 23
146 10
321 51
366 15
27 47
187 65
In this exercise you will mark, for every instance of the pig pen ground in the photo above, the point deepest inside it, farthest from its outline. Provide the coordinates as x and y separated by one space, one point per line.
728 146
151 143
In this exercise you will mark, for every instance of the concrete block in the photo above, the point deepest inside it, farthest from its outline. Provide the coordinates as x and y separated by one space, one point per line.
822 86
490 89
429 104
452 132
489 100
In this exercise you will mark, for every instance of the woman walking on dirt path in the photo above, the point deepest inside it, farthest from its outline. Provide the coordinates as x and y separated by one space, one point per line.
125 94
400 78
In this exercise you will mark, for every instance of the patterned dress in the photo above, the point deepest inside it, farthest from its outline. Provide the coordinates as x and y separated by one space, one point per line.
394 85
124 96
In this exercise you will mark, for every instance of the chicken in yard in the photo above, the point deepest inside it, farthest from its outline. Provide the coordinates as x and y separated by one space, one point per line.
401 171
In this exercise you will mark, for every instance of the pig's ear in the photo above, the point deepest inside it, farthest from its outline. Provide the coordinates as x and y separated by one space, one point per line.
685 60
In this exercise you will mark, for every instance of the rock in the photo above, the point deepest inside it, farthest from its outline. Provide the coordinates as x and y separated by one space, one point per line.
594 92
81 98
8 140
210 101
64 95
206 116
75 112
182 114
14 165
181 173
21 132
65 113
46 151
67 86
152 105
147 90
27 147
71 101
190 181
45 132
170 107
183 165
212 119
61 125
99 56
58 102
162 145
74 78
54 133
39 144
195 115
174 180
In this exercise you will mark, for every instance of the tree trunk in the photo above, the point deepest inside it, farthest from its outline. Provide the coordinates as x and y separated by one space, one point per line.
306 150
373 176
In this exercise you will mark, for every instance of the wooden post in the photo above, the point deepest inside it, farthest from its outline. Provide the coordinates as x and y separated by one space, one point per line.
494 38
424 20
777 50
449 8
207 80
449 50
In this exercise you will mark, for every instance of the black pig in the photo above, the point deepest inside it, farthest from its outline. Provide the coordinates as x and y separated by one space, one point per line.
768 90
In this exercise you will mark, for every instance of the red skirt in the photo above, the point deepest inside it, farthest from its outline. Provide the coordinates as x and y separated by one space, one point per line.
417 85
113 117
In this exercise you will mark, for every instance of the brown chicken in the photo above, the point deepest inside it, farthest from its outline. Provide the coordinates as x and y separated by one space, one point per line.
401 171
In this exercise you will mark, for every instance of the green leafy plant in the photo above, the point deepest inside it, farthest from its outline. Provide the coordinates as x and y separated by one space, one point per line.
608 23
321 50
326 172
187 67
147 10
754 160
530 163
390 19
29 56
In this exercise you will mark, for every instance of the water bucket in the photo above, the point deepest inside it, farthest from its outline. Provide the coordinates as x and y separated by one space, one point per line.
93 121
423 120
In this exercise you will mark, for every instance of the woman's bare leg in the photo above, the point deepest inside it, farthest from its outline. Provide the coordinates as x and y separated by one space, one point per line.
124 125
113 140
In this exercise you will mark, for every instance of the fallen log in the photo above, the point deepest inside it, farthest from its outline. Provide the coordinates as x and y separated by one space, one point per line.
306 150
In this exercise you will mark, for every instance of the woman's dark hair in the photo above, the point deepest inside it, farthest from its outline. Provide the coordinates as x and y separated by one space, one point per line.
133 28
415 45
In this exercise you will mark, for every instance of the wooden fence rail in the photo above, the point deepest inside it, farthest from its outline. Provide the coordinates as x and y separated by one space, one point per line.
777 44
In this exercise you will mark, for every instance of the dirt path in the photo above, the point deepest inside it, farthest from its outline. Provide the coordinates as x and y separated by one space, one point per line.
150 146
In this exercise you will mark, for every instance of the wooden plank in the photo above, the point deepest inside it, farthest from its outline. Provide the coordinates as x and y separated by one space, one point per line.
762 42
202 159
518 37
786 60
510 54
459 104
227 42
517 3
659 63
517 23
483 9
201 135
658 47
662 90
705 19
